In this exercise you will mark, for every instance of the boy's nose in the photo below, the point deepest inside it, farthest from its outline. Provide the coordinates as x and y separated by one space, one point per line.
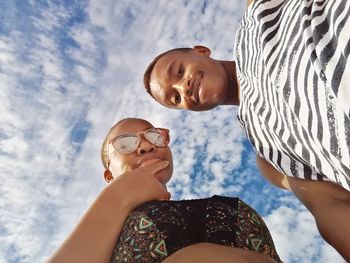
186 88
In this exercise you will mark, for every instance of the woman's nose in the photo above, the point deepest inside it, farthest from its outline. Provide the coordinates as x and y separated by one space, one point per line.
145 147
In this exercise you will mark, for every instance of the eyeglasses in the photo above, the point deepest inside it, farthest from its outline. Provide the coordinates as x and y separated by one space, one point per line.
128 142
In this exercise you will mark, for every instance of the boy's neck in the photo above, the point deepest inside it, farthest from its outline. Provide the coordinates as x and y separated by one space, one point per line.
233 85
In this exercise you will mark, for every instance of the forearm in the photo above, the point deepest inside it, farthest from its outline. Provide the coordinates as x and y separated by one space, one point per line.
94 237
272 175
330 205
328 202
332 221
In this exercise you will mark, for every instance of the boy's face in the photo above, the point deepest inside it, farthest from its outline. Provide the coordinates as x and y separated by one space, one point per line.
189 80
145 154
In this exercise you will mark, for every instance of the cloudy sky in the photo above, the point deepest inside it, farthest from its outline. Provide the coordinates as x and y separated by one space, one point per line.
69 70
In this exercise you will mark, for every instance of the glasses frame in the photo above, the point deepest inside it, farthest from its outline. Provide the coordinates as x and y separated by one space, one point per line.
139 141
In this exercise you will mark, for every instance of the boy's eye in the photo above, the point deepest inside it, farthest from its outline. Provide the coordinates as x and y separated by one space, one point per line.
177 98
180 72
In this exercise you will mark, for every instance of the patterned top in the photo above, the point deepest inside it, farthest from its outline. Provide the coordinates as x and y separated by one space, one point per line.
158 229
292 59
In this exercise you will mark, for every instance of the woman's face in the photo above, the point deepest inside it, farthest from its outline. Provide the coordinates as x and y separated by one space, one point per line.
145 154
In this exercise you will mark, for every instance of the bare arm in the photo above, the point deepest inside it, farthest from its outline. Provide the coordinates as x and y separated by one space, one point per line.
328 202
272 175
208 253
93 239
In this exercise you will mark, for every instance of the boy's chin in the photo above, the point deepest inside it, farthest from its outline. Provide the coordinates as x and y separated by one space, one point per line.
204 107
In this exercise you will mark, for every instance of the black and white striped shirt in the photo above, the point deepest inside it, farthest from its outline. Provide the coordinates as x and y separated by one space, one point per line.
294 71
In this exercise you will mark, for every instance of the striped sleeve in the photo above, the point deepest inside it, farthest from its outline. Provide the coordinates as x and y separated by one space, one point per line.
293 69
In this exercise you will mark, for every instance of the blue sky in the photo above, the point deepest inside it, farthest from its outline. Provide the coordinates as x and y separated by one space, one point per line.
69 70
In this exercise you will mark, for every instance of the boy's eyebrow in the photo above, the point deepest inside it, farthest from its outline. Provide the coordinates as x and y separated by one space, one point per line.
159 93
166 98
170 67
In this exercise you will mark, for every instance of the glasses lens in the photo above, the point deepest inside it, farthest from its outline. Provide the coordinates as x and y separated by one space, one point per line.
126 143
157 137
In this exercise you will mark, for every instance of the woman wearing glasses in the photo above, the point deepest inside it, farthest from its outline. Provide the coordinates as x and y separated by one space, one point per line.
133 220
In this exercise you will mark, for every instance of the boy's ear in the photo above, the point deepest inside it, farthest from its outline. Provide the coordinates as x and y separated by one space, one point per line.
108 176
202 50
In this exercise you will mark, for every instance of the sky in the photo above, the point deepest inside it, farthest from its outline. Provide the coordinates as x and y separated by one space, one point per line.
69 70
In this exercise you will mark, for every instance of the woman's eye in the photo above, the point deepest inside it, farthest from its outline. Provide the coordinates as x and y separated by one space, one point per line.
180 72
177 98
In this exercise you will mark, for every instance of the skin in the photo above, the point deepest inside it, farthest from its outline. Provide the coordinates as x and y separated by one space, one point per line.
194 81
94 238
146 153
325 200
209 253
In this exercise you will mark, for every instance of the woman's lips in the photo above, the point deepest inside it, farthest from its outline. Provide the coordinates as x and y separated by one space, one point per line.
150 161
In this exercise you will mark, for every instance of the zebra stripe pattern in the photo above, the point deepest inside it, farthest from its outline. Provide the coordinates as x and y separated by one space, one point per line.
294 74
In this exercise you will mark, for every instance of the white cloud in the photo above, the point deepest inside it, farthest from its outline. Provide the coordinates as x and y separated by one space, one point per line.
65 79
296 236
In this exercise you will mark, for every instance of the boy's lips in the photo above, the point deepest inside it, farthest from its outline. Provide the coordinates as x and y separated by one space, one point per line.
199 93
196 88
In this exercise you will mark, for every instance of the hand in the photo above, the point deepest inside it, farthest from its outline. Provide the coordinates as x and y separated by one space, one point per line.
138 186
